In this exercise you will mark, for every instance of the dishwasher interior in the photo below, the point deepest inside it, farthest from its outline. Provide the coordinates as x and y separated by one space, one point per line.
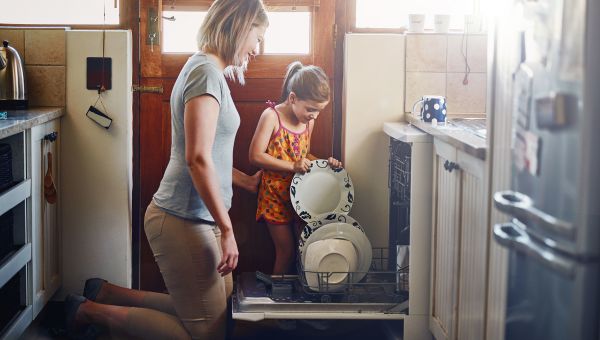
381 291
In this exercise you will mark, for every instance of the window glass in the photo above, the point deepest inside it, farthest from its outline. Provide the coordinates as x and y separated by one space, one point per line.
179 35
394 13
288 32
60 12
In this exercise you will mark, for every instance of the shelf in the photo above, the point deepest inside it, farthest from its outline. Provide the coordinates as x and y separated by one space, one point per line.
15 263
19 324
15 195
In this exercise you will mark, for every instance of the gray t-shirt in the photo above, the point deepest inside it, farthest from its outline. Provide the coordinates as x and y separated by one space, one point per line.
176 193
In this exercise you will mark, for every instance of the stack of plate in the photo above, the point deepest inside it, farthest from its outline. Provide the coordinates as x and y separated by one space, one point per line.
323 198
6 177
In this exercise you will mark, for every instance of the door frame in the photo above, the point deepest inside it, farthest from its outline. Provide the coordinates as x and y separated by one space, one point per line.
132 20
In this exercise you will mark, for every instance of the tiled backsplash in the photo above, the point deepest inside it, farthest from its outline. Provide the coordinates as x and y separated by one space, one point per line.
435 65
44 54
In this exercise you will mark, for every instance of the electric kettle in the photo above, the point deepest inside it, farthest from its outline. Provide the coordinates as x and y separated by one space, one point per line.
13 90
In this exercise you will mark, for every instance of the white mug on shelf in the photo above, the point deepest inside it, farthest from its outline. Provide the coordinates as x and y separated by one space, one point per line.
416 22
441 23
472 24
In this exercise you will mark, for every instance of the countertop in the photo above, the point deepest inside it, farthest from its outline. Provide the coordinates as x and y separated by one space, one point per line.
21 120
458 137
406 132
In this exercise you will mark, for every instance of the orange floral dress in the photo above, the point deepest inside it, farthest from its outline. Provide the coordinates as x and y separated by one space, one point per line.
274 205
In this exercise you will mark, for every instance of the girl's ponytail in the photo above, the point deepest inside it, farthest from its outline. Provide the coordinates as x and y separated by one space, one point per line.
292 69
307 82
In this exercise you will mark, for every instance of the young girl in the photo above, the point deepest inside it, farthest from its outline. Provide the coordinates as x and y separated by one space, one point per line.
281 146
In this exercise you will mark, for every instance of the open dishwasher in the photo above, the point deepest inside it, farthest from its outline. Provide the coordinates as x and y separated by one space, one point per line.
396 286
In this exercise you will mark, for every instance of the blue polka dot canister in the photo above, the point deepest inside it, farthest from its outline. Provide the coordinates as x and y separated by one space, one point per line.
432 107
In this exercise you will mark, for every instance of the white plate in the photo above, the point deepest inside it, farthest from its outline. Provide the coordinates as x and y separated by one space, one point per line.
332 257
321 191
342 227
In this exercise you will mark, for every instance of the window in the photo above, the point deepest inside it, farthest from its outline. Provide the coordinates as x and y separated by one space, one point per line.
60 12
394 13
288 33
180 29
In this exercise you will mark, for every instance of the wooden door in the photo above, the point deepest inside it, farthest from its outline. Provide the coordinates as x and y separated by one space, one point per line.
263 82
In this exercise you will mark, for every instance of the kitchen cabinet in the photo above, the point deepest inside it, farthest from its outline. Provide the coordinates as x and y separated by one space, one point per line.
46 232
459 245
15 255
30 270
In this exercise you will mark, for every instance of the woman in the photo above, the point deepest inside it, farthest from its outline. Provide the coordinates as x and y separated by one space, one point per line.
187 223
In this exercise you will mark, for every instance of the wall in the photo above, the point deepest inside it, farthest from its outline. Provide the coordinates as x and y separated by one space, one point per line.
96 166
435 65
373 94
43 52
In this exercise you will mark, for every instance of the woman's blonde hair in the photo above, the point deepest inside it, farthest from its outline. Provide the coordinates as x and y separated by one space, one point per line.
307 82
225 28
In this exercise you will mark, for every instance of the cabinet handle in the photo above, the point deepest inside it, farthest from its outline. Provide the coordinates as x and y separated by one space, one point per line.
453 166
449 166
51 136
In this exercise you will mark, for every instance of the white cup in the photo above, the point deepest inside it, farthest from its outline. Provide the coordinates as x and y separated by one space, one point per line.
441 23
416 22
472 24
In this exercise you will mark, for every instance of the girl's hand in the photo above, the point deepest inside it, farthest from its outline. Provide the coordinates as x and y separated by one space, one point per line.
229 260
301 165
334 163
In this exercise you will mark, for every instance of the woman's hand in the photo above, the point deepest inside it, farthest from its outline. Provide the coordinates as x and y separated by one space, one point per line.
229 260
246 182
254 181
334 163
301 165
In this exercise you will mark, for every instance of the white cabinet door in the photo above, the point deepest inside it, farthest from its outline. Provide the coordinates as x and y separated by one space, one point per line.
445 243
459 245
473 249
46 231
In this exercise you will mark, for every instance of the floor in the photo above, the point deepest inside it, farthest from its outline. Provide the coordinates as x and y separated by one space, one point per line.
50 325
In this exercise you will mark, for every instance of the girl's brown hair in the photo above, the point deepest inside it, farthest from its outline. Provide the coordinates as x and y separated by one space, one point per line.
225 28
307 82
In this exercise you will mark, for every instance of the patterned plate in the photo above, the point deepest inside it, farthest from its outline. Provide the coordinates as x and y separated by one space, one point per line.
342 227
321 191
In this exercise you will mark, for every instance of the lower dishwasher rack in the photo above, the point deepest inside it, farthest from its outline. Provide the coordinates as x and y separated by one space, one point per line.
380 295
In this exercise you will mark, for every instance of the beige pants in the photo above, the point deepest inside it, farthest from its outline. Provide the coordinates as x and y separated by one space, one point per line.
187 254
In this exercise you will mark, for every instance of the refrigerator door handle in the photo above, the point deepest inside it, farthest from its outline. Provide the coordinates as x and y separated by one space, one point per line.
521 207
510 236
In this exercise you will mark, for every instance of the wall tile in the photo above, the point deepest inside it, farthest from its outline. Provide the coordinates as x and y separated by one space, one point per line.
466 98
426 52
476 47
46 85
422 83
45 47
16 39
